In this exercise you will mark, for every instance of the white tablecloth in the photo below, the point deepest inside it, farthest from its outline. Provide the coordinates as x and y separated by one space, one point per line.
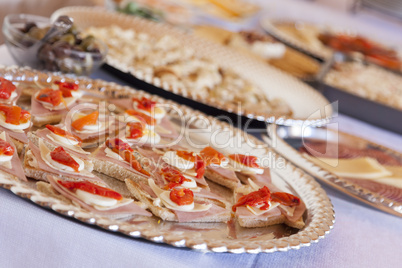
35 237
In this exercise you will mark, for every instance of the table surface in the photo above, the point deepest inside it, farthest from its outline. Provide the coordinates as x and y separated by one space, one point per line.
362 236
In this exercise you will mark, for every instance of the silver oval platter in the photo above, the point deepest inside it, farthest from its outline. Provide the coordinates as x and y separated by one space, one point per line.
288 141
214 237
301 100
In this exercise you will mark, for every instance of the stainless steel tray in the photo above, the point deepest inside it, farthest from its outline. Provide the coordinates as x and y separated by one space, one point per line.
214 237
287 140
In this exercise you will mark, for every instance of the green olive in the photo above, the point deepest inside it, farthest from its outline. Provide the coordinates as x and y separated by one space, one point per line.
68 38
37 33
88 43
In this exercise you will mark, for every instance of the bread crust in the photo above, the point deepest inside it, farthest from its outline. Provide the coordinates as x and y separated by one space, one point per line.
114 170
215 177
47 189
39 121
19 145
253 222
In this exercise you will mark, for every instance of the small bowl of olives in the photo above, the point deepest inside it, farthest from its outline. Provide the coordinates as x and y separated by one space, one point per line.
70 52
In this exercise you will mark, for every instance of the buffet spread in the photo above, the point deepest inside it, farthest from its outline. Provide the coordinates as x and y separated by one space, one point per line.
133 162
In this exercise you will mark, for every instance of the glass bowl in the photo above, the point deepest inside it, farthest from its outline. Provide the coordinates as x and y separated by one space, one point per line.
52 56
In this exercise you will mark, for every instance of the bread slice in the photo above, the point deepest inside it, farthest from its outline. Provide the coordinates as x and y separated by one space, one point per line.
8 176
39 174
114 170
48 190
215 177
33 172
35 140
39 121
242 177
165 213
254 222
18 145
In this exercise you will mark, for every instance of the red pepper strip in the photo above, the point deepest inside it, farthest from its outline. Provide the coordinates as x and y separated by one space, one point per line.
259 198
182 196
91 188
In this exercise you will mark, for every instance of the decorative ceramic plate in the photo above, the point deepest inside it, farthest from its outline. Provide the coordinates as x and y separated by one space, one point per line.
288 140
215 237
304 102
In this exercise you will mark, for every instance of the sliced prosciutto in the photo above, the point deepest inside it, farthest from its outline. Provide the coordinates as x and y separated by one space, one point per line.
101 155
123 211
125 103
263 178
207 194
334 150
144 187
297 213
156 161
20 136
45 167
228 174
16 166
385 190
37 109
166 129
43 134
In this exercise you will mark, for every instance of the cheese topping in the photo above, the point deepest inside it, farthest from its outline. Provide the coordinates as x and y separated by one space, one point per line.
12 96
256 211
157 112
45 154
67 101
173 159
268 50
6 164
77 93
189 172
111 154
5 159
61 139
393 180
396 172
19 127
65 142
101 202
149 136
190 184
131 118
164 197
245 169
88 129
390 181
359 168
224 163
93 199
